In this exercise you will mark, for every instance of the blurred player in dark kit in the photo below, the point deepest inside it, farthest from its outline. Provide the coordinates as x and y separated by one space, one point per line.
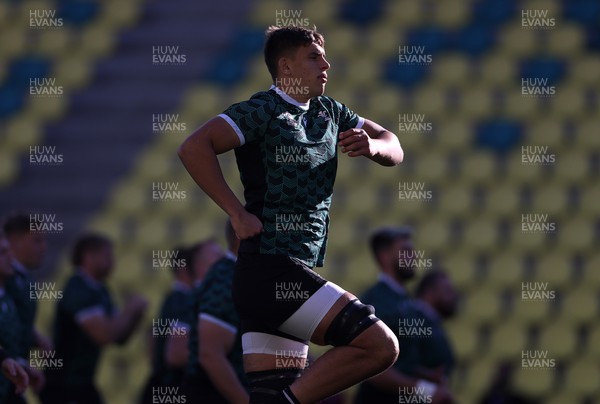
28 248
392 249
86 320
286 144
13 379
177 305
215 372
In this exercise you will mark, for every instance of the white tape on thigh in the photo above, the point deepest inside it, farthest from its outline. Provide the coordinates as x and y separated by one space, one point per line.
261 343
304 321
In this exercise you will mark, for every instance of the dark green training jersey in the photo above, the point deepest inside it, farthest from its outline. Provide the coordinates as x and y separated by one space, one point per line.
177 308
213 302
10 336
83 297
18 287
287 162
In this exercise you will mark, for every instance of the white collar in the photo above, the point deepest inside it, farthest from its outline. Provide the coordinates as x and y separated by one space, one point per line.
392 283
287 98
230 255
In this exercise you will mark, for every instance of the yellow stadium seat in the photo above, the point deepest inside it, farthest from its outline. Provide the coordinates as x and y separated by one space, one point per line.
54 43
478 168
451 13
433 234
432 167
23 131
554 268
585 134
551 200
571 167
405 13
464 338
522 241
593 343
533 382
546 132
117 13
498 69
73 72
577 234
521 173
463 270
480 374
48 109
429 101
454 134
455 201
507 341
586 69
580 306
583 377
452 70
530 312
481 234
558 340
8 168
502 199
517 106
482 306
476 101
591 275
516 41
569 102
505 270
566 40
14 43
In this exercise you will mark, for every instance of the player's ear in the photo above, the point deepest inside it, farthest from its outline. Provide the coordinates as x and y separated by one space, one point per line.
283 66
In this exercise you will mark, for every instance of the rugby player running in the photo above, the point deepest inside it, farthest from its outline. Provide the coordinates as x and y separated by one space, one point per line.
293 117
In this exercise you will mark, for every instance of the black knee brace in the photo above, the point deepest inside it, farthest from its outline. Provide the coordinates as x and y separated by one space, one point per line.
267 384
354 318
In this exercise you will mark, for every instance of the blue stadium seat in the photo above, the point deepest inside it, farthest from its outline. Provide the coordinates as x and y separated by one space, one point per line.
78 12
361 12
498 134
542 68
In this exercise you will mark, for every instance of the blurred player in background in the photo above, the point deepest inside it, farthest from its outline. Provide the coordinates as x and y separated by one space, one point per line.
215 371
202 256
13 379
86 320
14 372
393 305
286 144
176 305
28 248
436 300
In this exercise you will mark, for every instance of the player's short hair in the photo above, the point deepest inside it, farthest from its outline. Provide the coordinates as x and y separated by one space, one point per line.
87 243
17 223
429 281
283 41
383 238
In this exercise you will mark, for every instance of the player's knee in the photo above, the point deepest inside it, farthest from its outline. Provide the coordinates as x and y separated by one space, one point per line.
349 323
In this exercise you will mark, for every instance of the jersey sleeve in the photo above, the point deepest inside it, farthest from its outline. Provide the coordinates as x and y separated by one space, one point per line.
347 119
216 304
249 119
82 303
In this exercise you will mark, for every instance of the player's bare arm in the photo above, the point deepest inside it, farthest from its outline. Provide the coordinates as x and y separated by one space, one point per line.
374 142
198 154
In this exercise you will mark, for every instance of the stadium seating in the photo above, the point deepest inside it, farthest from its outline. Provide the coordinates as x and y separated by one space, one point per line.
472 160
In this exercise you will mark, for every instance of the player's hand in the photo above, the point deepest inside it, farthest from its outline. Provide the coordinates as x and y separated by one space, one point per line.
356 142
16 374
246 225
37 378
